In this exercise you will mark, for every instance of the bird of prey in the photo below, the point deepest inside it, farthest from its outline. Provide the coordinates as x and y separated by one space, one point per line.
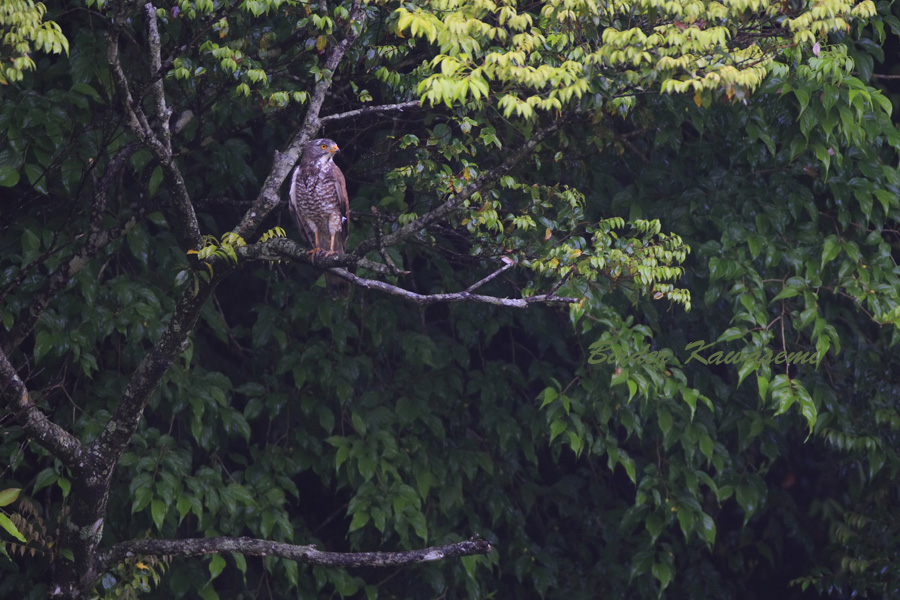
320 206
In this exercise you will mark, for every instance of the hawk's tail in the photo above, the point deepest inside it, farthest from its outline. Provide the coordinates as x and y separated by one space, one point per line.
337 287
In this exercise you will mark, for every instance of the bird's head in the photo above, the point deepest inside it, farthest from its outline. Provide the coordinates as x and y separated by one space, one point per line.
321 148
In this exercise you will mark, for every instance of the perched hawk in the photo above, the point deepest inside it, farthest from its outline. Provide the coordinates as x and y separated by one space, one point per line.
320 206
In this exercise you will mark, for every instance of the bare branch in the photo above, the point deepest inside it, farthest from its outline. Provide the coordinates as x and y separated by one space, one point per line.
285 249
184 219
488 178
496 273
370 110
136 119
302 554
14 396
269 198
464 296
157 88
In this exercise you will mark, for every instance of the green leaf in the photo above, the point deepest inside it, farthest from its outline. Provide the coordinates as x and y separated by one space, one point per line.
36 177
556 428
654 524
207 592
665 420
788 292
360 519
156 178
685 520
549 394
8 176
706 446
708 529
30 241
748 498
358 424
732 333
10 528
158 512
240 562
664 573
8 496
46 477
803 97
216 566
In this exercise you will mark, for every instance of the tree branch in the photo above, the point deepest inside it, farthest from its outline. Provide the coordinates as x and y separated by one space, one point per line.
370 110
158 90
379 226
83 529
496 273
174 340
269 197
56 440
285 249
464 296
302 554
414 227
184 220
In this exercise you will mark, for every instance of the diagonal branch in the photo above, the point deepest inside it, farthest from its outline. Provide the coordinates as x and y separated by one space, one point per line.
493 275
370 110
269 198
477 186
174 340
302 554
15 398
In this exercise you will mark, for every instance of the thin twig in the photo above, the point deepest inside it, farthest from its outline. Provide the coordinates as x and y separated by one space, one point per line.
496 273
379 222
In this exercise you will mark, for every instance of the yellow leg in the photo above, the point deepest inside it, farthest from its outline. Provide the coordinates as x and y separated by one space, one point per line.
315 249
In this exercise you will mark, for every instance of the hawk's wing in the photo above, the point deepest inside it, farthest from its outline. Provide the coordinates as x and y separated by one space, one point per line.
343 203
298 186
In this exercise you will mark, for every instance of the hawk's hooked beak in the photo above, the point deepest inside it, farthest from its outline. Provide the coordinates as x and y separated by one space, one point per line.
334 150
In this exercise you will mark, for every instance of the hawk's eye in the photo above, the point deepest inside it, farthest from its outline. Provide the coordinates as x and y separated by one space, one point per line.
323 146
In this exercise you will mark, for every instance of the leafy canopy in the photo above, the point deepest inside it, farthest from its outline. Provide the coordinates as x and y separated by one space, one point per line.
565 53
23 30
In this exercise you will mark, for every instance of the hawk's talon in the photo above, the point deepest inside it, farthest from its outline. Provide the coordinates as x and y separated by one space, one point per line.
317 254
